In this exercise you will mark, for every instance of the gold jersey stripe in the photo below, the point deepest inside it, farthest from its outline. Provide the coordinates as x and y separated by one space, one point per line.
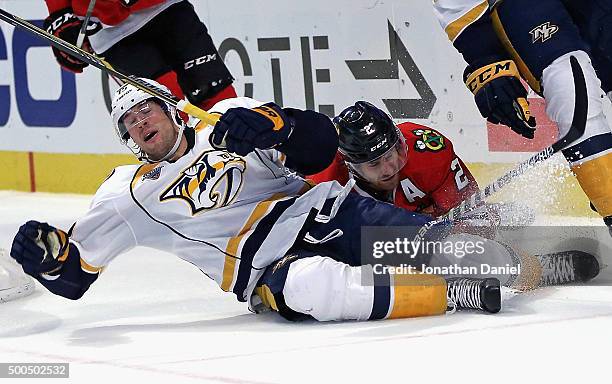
267 297
90 268
63 238
229 266
456 27
505 40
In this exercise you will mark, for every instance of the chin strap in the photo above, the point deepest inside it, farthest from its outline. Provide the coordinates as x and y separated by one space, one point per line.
176 144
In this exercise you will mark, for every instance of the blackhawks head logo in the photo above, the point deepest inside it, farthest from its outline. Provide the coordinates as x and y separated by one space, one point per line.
429 140
212 181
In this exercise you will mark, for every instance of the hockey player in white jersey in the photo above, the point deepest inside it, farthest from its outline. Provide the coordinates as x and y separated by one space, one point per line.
506 40
243 216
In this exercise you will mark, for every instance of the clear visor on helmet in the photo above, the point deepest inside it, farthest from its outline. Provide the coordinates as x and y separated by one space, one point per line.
135 116
385 166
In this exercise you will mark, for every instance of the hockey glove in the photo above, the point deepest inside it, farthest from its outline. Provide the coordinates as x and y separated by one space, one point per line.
242 130
40 249
65 25
500 96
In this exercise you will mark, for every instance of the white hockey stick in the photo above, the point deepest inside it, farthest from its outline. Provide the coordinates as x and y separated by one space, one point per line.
70 49
575 132
83 30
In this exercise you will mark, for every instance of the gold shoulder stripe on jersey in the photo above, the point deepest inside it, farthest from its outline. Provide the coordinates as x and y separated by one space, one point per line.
456 27
229 266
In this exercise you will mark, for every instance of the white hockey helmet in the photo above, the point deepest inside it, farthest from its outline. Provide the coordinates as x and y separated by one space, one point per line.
126 97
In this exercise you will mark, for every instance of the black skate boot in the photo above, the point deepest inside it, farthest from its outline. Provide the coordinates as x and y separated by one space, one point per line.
472 293
567 267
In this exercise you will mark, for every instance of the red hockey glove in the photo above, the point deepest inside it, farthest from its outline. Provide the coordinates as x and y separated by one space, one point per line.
65 25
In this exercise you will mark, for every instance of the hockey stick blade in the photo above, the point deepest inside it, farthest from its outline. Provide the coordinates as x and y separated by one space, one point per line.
575 131
74 51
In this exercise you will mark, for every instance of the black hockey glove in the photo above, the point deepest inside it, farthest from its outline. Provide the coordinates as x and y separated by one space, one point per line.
242 130
500 96
40 248
65 25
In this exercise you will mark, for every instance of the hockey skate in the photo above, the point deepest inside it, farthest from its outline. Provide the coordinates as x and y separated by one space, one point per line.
472 293
567 267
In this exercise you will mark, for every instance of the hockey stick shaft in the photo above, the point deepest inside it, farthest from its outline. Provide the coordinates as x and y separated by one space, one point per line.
83 30
576 130
70 49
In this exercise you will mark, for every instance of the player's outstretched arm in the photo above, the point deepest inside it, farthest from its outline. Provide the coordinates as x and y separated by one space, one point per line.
47 254
307 138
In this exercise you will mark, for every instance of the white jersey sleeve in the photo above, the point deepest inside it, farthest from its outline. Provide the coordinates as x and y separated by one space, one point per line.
103 233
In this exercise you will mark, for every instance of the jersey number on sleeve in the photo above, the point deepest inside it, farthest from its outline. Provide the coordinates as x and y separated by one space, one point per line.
460 179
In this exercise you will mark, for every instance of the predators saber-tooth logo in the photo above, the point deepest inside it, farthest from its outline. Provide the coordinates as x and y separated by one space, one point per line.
212 181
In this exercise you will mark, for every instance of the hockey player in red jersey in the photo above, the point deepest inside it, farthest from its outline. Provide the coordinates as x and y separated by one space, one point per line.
158 39
409 165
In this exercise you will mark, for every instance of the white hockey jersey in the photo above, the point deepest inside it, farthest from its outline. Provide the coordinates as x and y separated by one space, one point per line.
455 15
230 216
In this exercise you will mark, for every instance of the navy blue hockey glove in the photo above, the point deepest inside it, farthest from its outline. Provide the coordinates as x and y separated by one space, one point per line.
40 248
242 130
65 25
501 97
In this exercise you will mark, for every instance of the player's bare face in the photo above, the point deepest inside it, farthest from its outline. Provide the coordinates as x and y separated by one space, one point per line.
382 173
151 128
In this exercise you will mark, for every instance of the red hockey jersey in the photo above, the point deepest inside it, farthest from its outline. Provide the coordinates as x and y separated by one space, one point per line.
434 179
109 12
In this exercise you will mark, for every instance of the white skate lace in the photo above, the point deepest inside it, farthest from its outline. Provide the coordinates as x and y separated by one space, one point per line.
463 293
557 270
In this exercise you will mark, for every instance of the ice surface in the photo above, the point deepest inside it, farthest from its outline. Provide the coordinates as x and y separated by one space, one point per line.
153 318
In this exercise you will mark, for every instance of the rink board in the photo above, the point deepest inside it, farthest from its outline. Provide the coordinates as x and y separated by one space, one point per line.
320 55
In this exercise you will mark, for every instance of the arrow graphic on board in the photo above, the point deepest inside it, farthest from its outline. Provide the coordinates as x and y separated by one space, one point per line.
389 69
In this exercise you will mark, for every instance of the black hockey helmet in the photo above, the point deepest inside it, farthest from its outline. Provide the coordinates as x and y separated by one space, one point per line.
371 145
365 132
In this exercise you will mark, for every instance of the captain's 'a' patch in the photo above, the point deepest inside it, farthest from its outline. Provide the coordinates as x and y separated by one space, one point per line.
212 181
